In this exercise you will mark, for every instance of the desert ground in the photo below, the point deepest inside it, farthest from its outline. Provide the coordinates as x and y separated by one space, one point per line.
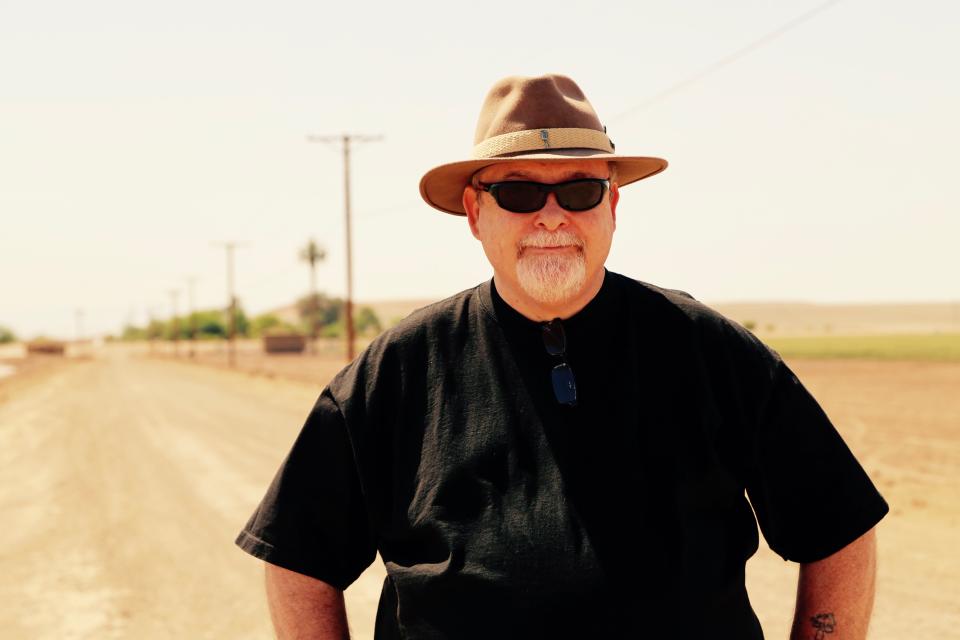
125 476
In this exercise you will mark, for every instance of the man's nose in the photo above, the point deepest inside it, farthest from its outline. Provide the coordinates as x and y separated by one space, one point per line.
552 216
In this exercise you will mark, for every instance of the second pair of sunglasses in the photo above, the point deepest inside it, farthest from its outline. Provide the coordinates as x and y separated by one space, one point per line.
520 196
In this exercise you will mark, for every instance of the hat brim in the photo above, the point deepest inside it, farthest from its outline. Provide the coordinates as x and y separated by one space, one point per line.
442 187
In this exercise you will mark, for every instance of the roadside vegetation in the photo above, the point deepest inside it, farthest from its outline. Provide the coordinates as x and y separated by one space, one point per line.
317 314
940 347
6 335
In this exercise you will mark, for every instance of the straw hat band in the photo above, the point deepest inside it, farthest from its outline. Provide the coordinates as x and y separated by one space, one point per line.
539 139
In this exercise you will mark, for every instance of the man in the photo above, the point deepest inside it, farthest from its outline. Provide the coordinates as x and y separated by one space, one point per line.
562 451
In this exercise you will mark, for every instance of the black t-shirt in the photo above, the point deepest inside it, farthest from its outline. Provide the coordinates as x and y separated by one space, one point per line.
499 512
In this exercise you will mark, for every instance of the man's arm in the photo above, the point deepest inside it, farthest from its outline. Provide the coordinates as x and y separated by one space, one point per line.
304 607
835 595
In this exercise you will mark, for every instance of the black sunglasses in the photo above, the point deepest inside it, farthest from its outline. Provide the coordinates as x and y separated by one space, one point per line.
564 384
521 196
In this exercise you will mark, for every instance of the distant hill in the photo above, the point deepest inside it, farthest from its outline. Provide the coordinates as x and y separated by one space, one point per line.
390 312
767 318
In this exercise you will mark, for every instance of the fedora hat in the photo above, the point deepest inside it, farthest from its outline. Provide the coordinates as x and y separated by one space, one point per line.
545 118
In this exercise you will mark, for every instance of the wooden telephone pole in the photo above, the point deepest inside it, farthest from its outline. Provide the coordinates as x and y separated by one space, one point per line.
192 317
231 304
174 321
345 140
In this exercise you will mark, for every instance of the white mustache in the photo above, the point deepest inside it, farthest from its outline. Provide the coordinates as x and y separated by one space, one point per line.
558 238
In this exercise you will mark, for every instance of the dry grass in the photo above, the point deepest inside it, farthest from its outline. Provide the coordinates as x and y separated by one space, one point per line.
937 347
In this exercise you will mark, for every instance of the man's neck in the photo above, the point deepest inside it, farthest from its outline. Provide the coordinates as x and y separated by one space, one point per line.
534 310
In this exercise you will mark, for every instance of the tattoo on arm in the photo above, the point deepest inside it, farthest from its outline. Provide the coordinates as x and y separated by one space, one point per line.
824 623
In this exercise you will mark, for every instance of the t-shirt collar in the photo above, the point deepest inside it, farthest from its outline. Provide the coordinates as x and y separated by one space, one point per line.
506 315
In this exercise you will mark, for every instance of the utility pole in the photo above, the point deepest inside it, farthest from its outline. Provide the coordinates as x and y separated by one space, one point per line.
345 140
191 281
78 320
175 321
231 304
151 328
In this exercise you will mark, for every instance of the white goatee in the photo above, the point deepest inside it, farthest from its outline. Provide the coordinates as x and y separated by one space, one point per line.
551 278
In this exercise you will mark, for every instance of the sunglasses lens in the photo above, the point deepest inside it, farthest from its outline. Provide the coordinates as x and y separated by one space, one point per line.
527 197
554 339
564 386
519 197
580 196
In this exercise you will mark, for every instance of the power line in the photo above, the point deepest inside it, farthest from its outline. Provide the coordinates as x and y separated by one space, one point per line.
727 60
78 319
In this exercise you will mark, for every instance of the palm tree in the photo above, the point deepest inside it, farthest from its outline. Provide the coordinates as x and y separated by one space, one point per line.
313 253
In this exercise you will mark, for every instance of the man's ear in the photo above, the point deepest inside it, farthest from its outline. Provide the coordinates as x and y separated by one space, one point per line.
472 207
614 200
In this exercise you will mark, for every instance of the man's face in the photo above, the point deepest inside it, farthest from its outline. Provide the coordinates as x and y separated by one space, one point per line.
550 256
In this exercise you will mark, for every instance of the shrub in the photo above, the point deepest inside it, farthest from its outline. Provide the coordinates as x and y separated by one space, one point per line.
6 335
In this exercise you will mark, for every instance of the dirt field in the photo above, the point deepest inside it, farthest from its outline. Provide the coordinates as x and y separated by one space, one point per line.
799 319
124 479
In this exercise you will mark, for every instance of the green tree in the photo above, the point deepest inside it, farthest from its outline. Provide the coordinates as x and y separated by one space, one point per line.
156 329
334 330
210 324
263 322
6 335
367 322
243 323
267 323
312 254
132 332
318 311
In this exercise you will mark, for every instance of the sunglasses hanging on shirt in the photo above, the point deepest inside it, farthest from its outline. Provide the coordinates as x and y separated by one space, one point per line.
555 342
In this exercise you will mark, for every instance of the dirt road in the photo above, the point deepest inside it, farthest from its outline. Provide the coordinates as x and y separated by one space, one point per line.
124 480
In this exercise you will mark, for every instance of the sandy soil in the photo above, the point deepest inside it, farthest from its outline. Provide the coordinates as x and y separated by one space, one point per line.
123 481
800 319
902 420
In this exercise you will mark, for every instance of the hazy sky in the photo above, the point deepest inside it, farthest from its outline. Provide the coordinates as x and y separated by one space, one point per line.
133 135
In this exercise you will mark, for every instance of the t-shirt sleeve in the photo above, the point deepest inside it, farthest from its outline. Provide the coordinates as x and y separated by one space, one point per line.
810 494
312 519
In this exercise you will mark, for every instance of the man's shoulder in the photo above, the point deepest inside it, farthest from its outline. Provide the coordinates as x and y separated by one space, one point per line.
451 314
402 353
428 328
676 302
679 311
